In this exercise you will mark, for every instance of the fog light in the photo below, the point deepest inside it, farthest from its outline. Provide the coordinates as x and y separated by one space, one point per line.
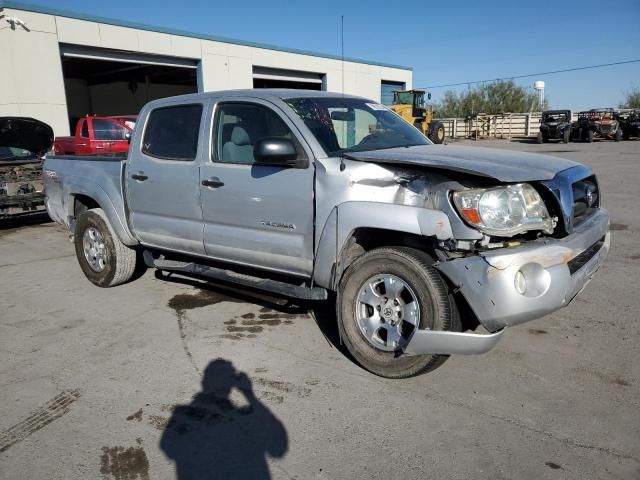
520 283
532 280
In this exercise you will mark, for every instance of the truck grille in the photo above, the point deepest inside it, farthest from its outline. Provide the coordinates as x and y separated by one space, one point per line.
575 195
605 129
585 199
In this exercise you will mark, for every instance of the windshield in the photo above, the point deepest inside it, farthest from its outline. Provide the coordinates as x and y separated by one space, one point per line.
11 153
343 125
555 117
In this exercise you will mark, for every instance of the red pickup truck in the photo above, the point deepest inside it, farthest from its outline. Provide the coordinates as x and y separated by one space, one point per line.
97 135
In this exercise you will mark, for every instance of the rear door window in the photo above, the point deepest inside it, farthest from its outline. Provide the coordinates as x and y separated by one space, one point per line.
85 129
172 132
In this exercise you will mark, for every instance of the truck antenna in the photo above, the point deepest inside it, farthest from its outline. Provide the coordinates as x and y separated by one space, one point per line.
342 49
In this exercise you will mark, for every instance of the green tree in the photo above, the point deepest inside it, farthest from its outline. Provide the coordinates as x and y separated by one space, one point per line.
631 99
497 97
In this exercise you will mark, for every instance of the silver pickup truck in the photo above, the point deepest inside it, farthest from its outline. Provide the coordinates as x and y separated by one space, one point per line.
304 193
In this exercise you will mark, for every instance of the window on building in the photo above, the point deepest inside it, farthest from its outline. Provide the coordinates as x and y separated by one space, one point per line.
386 91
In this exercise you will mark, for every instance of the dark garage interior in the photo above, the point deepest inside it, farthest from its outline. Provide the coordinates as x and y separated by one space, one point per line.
107 87
272 83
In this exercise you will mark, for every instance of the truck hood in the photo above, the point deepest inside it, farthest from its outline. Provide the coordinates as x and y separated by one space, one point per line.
501 165
26 133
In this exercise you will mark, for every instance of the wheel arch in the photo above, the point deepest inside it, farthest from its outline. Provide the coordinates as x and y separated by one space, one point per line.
354 228
81 198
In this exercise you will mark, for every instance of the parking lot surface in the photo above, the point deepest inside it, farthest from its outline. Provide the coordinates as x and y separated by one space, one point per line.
170 378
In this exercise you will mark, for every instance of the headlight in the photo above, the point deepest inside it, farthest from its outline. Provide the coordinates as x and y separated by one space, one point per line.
504 211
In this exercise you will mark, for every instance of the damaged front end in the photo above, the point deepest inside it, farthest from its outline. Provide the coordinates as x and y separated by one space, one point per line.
506 276
23 141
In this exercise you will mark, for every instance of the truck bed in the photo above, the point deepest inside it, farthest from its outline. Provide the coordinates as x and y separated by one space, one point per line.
69 177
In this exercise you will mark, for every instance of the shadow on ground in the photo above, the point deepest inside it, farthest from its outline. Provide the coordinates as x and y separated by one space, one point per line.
324 313
215 437
24 221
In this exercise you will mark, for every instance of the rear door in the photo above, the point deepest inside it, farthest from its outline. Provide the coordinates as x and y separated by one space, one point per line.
254 214
162 178
83 140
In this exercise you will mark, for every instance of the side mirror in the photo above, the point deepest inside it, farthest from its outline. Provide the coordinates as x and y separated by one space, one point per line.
275 151
429 95
128 137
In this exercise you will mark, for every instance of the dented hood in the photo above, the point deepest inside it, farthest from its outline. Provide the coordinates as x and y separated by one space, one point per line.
26 133
501 165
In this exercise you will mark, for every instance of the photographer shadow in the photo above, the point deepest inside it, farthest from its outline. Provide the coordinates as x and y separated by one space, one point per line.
212 438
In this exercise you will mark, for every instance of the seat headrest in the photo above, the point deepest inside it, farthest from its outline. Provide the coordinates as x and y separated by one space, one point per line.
240 137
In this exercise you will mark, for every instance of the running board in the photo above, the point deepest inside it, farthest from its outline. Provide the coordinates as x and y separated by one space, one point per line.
264 284
437 342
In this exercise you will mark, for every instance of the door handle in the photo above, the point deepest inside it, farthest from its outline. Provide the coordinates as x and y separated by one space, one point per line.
139 176
99 147
213 182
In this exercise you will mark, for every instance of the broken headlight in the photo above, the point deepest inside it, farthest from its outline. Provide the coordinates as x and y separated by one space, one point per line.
504 211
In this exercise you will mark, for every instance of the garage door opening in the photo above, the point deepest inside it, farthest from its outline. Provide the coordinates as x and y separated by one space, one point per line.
103 82
264 77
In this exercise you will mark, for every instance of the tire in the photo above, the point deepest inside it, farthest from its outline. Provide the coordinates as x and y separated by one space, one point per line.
540 138
590 136
437 133
566 135
618 135
113 263
437 309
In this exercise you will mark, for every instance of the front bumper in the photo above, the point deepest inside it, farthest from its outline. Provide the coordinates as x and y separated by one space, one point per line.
555 271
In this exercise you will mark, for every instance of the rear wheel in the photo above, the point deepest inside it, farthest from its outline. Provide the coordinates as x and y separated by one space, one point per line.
437 133
565 136
103 258
383 298
540 138
590 136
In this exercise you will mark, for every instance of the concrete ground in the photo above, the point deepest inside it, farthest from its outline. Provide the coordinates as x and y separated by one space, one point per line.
144 381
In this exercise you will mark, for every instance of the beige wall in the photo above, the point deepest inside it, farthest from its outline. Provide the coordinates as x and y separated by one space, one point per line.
36 86
31 83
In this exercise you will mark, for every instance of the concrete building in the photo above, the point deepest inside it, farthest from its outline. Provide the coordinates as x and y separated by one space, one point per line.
57 66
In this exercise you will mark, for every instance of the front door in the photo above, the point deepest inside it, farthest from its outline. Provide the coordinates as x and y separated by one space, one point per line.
109 136
256 215
162 179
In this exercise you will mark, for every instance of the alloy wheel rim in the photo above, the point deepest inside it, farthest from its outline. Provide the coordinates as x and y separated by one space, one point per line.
94 249
387 312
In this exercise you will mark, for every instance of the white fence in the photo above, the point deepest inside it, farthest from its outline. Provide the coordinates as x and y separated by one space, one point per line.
504 125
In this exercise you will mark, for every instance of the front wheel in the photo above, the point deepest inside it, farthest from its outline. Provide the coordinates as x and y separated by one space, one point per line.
566 135
590 136
383 298
437 133
540 138
103 258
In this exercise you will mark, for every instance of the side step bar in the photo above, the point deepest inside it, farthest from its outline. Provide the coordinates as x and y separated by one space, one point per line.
437 342
267 285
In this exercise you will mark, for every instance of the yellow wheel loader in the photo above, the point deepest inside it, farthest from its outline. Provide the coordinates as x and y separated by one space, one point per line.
410 105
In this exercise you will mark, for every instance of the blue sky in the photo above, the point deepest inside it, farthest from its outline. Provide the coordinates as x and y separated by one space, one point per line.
444 42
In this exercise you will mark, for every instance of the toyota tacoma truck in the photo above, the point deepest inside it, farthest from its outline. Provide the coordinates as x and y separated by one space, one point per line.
316 196
23 143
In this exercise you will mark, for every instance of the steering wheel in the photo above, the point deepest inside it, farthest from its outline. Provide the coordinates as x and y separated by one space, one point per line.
369 138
